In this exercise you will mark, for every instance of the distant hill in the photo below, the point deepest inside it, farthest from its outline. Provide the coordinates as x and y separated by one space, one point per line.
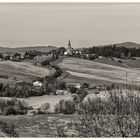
125 44
23 49
128 45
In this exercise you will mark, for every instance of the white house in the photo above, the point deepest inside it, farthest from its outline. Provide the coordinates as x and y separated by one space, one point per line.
61 92
76 85
37 84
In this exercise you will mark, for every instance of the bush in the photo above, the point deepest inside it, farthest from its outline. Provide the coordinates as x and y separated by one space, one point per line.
86 85
10 110
69 107
120 61
13 107
61 85
133 58
81 94
1 87
116 116
65 107
45 106
8 129
72 89
46 62
76 99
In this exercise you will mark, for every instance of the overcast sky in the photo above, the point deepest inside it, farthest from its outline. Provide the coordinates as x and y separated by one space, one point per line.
54 24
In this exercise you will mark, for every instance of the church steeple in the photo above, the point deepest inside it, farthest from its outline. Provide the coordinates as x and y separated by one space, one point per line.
69 44
70 50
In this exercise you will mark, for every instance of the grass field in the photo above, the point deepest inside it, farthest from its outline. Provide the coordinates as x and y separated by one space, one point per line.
38 125
125 62
18 71
52 99
99 71
37 101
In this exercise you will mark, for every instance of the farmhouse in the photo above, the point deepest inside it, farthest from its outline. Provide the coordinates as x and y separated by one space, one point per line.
61 92
76 85
37 84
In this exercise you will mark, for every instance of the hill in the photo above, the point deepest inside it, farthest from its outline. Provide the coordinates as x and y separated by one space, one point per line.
23 49
103 73
21 71
128 45
124 44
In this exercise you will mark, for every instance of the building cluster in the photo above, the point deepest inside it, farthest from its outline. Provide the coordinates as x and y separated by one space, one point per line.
79 53
33 54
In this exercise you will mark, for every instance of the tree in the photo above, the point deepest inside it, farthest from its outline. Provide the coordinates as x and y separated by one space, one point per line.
45 106
9 111
85 85
65 107
1 87
60 85
61 50
69 107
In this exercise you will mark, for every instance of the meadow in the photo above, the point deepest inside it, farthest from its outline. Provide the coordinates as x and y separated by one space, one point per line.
99 71
21 71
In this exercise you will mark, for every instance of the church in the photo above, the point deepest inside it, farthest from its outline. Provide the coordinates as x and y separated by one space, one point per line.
69 51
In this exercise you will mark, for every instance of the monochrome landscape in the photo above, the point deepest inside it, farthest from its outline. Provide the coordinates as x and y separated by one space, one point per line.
69 70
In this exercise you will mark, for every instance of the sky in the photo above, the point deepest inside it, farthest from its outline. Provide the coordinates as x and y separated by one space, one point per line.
85 24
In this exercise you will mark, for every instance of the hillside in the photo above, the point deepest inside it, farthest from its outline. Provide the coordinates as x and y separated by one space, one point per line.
23 49
17 71
128 45
85 69
123 44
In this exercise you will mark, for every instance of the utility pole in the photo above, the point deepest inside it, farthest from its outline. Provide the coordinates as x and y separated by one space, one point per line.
126 78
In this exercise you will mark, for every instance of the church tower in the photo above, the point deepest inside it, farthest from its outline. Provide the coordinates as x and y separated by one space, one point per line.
69 44
69 50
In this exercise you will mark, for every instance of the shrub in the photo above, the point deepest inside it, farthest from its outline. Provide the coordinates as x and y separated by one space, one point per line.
72 89
45 106
8 129
76 99
13 107
69 107
116 116
65 107
46 62
133 58
86 85
120 61
61 85
10 110
112 86
1 87
108 88
81 94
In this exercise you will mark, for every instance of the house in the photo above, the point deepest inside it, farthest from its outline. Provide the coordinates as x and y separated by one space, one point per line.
90 56
76 85
61 92
38 84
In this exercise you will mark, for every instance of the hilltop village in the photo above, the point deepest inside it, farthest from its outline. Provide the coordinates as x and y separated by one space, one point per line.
49 59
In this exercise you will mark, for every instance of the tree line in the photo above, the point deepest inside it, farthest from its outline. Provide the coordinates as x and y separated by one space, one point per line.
113 51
